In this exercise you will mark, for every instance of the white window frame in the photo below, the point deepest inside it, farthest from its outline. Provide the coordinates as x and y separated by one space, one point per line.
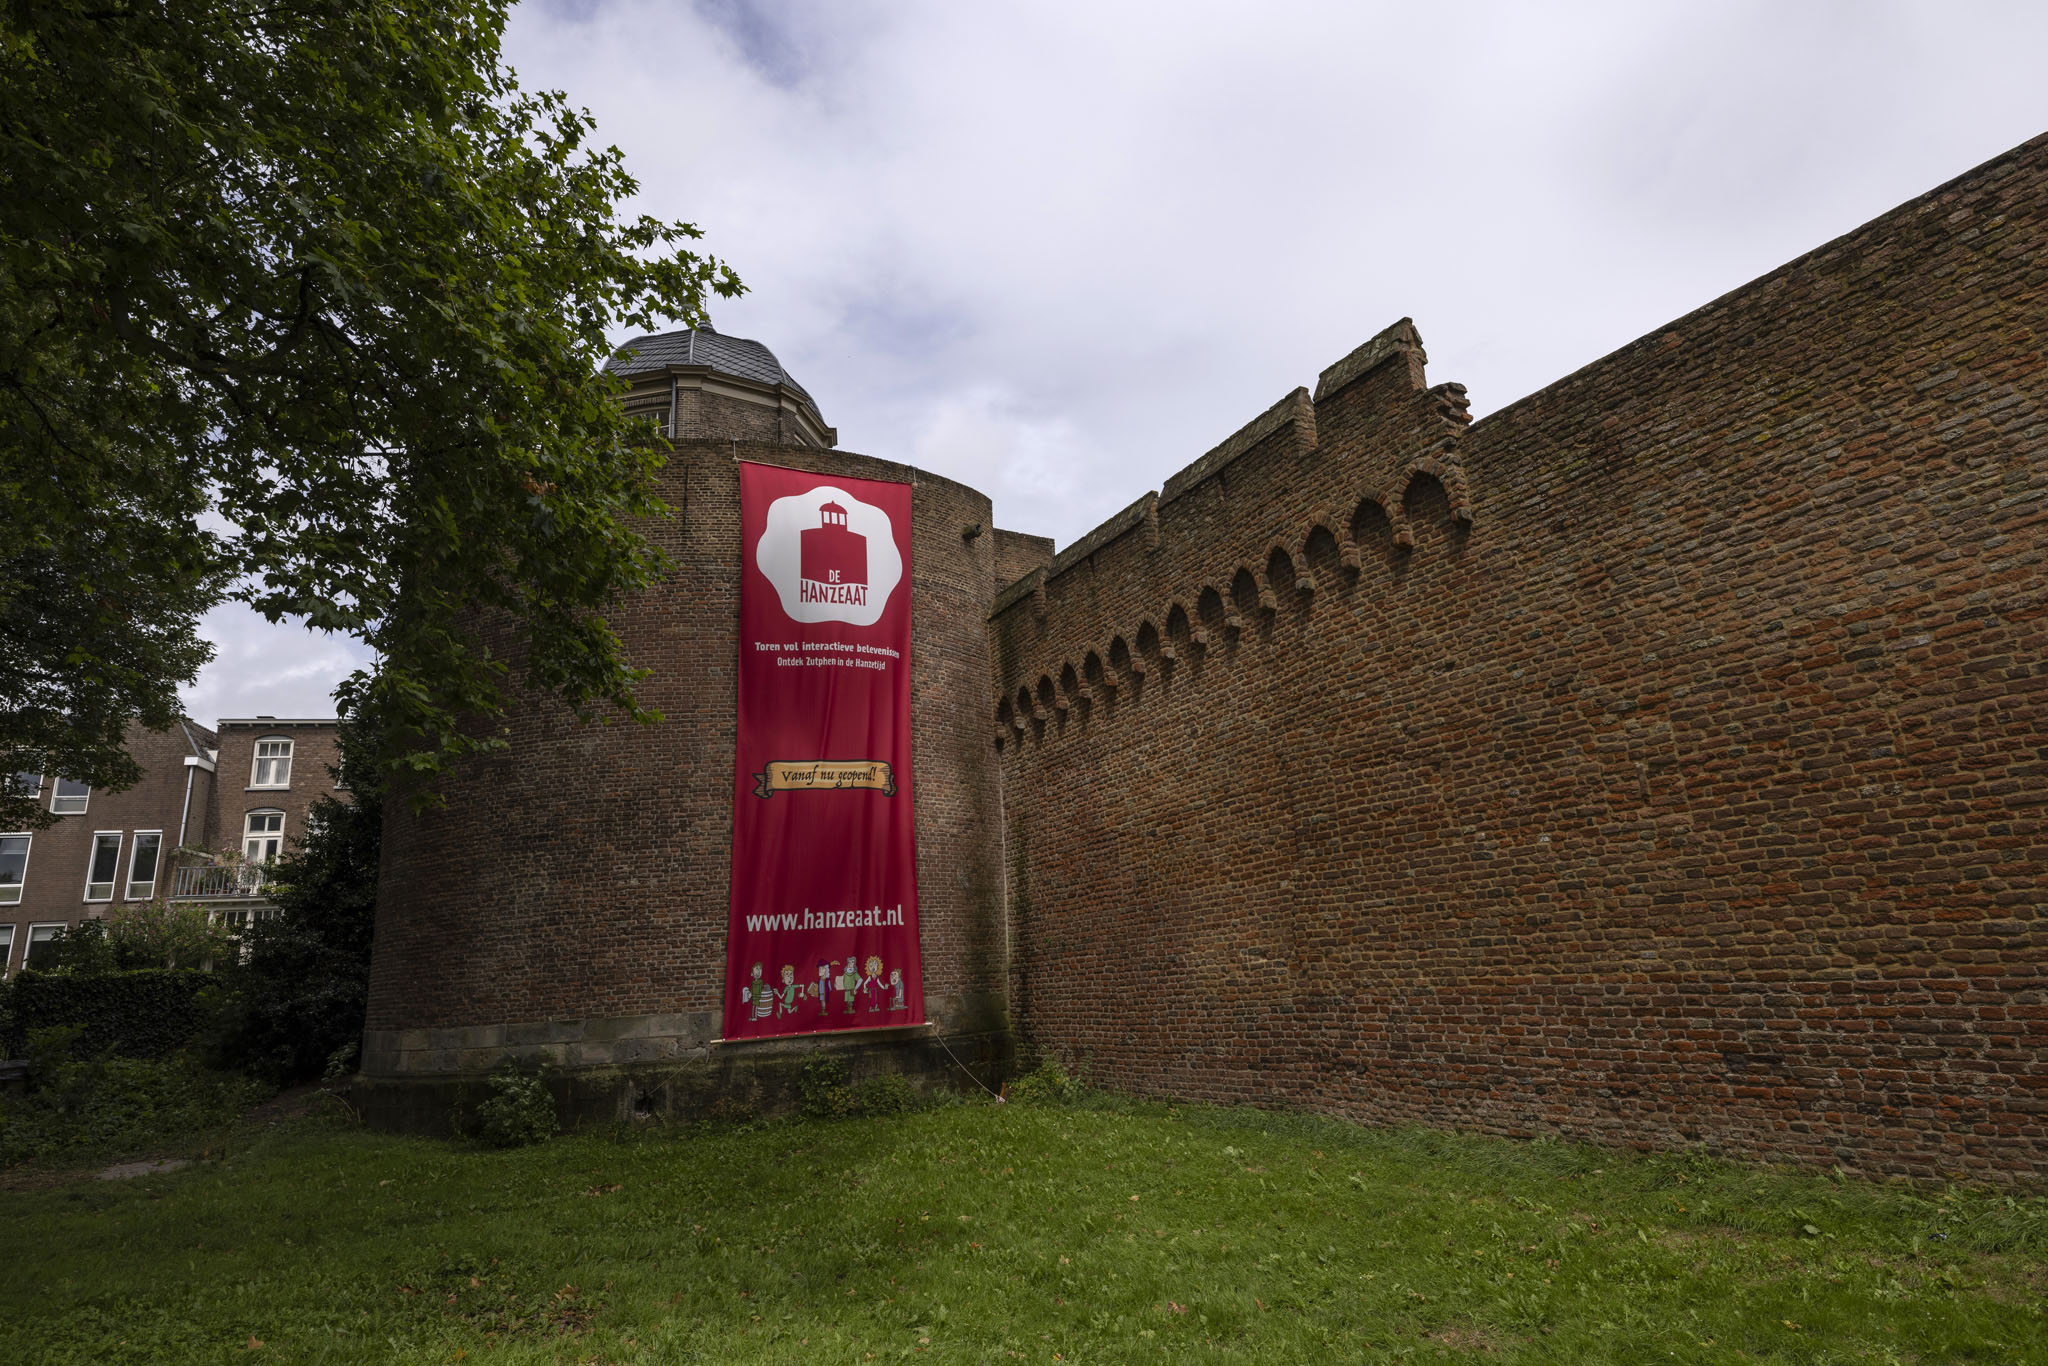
29 943
15 789
282 821
15 899
156 874
93 855
6 947
84 799
257 759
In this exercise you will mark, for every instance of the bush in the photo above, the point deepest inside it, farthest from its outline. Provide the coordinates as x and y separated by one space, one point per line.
823 1084
888 1094
167 934
521 1110
81 1108
830 1093
145 1014
1047 1084
147 934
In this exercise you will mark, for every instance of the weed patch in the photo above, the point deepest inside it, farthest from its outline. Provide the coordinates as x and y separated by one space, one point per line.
81 1109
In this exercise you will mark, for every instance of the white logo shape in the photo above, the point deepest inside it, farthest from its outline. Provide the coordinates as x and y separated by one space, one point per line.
830 556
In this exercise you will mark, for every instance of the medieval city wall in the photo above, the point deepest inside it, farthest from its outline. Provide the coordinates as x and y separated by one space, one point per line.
1660 760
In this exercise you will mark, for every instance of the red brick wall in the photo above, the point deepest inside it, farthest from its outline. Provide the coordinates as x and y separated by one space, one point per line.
1691 793
583 875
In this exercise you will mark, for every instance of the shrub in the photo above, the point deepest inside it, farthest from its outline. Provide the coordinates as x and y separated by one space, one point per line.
167 934
520 1111
145 1014
1047 1084
823 1083
888 1094
829 1093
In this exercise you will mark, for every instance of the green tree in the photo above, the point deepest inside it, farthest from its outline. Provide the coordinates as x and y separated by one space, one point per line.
303 302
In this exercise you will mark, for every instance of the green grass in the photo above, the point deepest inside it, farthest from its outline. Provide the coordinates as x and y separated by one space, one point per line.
1120 1232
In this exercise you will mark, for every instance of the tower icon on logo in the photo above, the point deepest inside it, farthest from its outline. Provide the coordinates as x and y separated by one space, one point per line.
832 553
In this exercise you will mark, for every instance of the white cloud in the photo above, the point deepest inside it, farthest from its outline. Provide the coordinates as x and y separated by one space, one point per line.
263 670
1057 251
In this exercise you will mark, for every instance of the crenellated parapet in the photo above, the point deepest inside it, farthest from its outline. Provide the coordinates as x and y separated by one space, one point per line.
1294 502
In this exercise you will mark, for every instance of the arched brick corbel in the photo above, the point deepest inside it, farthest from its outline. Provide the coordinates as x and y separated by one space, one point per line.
1074 687
1269 601
1094 675
1131 663
1028 713
1390 503
1304 572
1348 558
1451 475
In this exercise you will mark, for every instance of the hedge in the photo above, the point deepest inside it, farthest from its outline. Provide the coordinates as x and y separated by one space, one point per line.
142 1014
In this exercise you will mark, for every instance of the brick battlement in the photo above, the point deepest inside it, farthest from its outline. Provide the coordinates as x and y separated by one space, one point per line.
1395 442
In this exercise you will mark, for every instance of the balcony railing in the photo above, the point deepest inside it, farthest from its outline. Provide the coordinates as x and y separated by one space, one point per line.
217 884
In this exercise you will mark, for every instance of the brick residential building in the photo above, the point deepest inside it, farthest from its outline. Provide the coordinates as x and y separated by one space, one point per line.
212 807
1660 760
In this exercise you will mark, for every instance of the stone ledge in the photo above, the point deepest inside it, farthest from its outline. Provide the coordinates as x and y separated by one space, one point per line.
705 1085
612 1041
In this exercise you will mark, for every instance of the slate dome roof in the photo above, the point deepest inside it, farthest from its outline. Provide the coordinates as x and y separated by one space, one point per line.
705 346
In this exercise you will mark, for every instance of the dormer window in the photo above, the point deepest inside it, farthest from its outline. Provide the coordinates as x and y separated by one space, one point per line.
273 764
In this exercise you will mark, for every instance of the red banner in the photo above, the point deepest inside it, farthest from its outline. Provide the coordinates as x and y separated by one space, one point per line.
823 932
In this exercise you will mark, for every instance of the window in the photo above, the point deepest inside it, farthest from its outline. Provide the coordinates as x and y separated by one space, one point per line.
273 765
41 939
68 798
6 948
142 864
13 869
262 835
22 784
105 862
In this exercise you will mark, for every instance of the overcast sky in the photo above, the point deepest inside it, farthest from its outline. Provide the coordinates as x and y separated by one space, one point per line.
1058 251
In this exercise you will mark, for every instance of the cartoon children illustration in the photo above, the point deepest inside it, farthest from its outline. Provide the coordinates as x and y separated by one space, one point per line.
823 991
849 983
757 994
871 984
791 993
896 988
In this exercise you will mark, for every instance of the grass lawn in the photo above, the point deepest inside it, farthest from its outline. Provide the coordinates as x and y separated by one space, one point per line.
1119 1232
